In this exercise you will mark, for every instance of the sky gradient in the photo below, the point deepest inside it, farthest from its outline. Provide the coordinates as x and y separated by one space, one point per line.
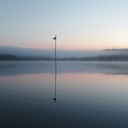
78 24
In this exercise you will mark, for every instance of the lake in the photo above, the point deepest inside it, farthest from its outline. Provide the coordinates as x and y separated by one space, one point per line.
88 94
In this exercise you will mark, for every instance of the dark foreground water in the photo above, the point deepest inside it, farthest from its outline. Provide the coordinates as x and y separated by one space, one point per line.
88 95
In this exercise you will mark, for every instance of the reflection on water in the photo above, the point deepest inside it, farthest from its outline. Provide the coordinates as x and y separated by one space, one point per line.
35 67
87 97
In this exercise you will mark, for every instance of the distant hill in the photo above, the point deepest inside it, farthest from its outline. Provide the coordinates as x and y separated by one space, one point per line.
16 53
26 52
50 52
117 50
123 52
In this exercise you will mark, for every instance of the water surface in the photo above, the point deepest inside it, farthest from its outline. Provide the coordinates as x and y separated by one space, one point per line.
89 94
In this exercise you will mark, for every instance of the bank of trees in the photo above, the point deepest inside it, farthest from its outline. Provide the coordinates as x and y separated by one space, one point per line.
9 57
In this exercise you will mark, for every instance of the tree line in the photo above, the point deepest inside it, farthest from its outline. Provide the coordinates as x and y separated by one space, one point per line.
9 57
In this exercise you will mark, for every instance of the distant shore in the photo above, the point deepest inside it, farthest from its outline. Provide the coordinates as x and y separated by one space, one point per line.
10 57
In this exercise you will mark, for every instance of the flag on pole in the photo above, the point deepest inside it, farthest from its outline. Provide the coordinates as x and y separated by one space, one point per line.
54 38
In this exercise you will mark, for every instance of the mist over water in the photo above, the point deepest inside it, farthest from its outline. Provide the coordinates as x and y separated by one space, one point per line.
9 68
89 94
27 52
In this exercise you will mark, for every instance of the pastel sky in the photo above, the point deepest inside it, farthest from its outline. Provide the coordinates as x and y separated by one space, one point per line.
78 24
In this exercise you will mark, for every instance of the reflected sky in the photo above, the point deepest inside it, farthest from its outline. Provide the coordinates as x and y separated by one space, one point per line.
8 68
86 95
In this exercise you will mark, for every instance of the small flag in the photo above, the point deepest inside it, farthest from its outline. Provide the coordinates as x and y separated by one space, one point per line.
54 38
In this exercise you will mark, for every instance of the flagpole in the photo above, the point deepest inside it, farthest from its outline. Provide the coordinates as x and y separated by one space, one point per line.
55 38
55 66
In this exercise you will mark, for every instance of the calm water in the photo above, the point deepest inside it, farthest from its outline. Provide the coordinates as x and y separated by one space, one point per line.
89 95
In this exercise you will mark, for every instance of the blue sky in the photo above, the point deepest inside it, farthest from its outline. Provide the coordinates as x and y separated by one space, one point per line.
79 24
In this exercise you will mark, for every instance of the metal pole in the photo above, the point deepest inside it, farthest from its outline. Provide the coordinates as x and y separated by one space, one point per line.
55 38
55 66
